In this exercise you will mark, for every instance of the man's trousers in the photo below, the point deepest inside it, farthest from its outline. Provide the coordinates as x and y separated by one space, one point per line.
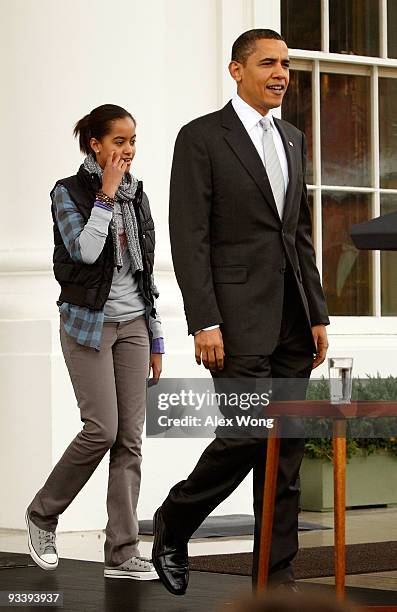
227 461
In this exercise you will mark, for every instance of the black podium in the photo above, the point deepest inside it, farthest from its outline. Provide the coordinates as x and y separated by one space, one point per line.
376 234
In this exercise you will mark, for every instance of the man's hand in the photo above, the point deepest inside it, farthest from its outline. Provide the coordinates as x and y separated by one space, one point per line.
156 361
321 341
208 346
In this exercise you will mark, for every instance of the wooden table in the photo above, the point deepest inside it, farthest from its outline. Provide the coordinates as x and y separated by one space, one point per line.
339 414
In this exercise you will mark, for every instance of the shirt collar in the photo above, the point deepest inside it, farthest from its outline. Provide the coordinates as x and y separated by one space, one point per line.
248 115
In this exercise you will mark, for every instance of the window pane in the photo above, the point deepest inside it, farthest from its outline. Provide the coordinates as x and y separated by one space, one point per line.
347 272
392 28
345 130
354 27
388 263
297 109
388 132
301 24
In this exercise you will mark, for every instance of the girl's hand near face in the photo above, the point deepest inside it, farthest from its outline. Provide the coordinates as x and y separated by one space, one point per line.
113 172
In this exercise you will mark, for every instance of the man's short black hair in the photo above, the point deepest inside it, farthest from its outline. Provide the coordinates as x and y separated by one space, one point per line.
245 43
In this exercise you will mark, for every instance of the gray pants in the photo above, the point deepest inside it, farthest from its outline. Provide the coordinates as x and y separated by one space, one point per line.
110 388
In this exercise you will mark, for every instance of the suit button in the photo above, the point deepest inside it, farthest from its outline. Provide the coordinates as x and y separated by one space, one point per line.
282 233
282 270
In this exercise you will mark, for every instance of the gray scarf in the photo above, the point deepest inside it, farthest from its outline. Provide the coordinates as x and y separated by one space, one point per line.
122 206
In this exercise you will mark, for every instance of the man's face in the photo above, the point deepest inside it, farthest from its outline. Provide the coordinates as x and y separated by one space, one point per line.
263 80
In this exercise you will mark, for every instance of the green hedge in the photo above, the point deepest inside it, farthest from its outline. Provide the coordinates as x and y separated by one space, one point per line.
368 430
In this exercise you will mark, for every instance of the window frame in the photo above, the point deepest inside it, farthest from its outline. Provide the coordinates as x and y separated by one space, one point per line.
269 13
343 65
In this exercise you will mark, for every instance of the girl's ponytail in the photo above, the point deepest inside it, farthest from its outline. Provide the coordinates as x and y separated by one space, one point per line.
82 130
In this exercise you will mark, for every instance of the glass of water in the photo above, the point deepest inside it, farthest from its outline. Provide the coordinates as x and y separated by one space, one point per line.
340 379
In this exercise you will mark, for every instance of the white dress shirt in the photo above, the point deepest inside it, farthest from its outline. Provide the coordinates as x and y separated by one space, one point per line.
250 118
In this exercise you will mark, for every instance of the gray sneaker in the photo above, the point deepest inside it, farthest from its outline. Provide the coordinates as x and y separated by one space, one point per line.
136 568
42 546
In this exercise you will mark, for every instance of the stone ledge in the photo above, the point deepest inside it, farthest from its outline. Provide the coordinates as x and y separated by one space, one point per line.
28 261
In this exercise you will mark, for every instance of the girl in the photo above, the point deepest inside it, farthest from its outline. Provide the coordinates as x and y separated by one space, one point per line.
110 335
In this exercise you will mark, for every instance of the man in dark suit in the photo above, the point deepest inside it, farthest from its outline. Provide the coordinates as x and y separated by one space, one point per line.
240 230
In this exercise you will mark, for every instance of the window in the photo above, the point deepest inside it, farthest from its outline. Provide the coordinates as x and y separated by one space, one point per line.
354 27
392 28
388 204
297 107
345 129
388 132
347 107
347 272
305 32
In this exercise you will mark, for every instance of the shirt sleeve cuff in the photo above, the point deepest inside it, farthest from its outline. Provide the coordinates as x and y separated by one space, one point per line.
102 205
158 345
206 329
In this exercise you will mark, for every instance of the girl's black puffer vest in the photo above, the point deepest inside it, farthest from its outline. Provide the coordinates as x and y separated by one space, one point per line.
88 285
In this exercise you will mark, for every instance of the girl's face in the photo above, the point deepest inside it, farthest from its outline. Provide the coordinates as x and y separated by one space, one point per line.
120 139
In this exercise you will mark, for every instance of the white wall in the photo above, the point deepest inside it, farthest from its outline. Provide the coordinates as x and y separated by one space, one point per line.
165 61
159 59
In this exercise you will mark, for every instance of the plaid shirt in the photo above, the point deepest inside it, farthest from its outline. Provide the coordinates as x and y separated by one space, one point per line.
83 324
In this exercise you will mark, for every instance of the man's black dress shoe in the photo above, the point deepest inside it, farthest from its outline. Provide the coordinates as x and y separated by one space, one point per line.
169 558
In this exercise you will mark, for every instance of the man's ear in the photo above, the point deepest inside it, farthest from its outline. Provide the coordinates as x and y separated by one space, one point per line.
235 69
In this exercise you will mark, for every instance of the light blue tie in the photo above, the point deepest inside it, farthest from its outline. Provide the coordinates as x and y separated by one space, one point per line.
273 166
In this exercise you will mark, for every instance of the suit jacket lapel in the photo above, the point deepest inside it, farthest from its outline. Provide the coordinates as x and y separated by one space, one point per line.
238 139
290 148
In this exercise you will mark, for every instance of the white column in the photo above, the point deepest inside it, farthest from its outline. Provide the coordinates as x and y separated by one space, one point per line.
161 61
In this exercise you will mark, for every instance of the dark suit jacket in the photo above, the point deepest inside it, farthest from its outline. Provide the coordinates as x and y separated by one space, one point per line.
229 246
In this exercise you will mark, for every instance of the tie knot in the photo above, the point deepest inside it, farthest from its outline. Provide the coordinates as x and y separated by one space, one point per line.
265 122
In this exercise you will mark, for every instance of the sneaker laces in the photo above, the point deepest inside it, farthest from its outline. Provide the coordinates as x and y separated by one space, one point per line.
47 540
141 562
